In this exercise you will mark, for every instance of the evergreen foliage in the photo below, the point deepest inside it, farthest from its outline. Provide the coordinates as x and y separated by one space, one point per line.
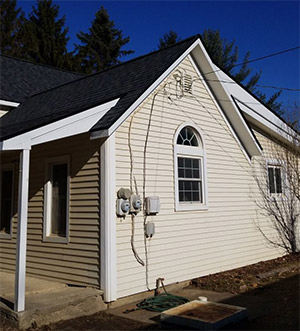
101 46
12 19
46 38
168 39
225 55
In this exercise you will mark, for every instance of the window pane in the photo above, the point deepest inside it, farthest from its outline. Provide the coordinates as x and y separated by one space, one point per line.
181 196
179 140
188 196
271 180
278 180
181 173
196 174
188 163
59 199
6 200
188 173
196 196
196 163
180 162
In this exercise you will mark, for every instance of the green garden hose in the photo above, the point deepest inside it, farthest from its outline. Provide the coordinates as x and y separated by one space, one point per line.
159 303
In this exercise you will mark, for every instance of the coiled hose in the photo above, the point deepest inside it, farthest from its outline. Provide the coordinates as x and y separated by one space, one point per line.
159 303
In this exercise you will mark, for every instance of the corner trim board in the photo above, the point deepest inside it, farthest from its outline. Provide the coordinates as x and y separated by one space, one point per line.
108 263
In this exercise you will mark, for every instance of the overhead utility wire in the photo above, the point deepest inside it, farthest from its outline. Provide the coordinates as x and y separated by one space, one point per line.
258 58
264 86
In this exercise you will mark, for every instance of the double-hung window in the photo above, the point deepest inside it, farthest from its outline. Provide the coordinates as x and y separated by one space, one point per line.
275 179
56 200
189 160
6 200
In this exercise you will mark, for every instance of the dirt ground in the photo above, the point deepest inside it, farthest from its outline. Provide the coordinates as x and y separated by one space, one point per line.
275 281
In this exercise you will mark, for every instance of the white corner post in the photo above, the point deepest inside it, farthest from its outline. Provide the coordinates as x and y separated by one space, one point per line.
20 274
108 256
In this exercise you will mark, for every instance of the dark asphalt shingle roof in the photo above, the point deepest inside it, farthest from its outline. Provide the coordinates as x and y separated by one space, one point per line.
128 81
21 79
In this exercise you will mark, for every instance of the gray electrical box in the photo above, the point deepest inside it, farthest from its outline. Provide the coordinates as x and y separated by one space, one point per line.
149 229
152 205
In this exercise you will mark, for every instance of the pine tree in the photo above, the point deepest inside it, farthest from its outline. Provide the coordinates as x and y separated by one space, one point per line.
168 39
225 55
46 37
101 46
12 19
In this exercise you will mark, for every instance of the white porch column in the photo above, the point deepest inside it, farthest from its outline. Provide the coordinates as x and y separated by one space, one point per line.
22 231
108 220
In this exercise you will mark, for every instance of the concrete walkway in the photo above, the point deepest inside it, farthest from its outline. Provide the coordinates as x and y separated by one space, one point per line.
47 302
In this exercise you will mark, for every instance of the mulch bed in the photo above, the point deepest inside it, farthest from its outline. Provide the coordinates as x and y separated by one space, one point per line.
251 277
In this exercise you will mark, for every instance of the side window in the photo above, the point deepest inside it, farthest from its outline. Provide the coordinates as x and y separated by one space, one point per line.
275 179
189 160
56 201
6 201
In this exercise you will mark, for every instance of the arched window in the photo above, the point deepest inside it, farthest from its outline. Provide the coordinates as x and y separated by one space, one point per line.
190 172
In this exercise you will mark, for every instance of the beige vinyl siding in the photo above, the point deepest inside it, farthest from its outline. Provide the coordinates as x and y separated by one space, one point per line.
186 244
78 261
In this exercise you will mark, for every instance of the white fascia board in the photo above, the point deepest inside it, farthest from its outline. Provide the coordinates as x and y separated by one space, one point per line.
8 103
108 132
256 111
210 74
265 124
67 127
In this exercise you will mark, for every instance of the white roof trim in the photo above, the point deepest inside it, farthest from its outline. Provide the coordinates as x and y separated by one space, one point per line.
120 120
255 111
201 57
8 103
67 127
208 70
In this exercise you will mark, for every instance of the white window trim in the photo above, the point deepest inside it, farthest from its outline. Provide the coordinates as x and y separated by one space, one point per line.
12 168
47 204
281 164
188 151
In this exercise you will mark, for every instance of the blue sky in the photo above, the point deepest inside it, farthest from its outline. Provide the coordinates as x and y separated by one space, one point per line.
261 27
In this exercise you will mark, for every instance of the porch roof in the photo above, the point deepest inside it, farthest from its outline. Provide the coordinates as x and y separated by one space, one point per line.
126 81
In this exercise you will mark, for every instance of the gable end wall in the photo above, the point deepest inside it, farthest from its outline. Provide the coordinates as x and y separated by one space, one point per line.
191 243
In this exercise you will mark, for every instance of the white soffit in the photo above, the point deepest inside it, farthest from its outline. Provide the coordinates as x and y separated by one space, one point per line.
67 127
213 80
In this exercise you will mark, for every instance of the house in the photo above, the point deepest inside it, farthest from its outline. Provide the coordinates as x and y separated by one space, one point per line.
169 126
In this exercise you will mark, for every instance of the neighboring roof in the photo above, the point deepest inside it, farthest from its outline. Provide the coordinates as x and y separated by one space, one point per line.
126 81
21 79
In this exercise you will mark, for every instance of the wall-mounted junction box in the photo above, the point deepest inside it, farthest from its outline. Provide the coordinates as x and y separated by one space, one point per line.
152 205
149 229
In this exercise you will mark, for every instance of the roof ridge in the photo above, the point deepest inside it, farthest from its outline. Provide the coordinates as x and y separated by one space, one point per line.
115 66
43 65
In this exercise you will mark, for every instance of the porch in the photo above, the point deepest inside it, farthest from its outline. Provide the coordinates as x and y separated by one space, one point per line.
47 301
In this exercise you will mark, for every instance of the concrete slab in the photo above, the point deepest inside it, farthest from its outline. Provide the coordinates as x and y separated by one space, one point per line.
250 302
33 285
47 302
